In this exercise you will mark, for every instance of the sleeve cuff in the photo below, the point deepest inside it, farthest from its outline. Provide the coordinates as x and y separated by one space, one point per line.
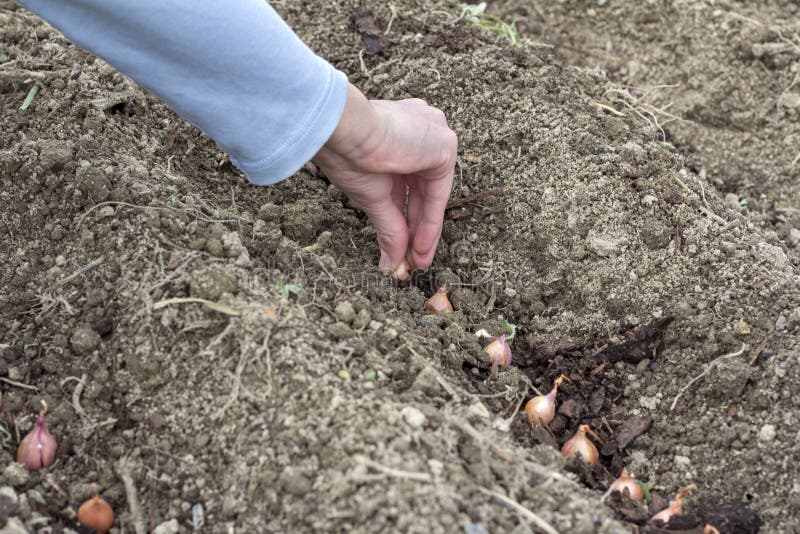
316 128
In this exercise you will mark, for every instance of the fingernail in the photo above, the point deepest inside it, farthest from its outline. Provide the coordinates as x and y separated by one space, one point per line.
384 264
401 273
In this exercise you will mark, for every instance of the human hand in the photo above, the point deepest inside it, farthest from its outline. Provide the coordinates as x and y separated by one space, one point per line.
386 153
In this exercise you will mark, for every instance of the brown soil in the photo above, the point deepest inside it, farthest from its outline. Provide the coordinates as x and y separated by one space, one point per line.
322 398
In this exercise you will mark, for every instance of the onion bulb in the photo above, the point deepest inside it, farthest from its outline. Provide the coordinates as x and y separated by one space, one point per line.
674 507
542 409
579 446
499 353
710 529
96 513
439 304
627 483
38 449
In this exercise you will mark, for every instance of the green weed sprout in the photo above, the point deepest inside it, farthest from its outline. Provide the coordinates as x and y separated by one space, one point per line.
476 14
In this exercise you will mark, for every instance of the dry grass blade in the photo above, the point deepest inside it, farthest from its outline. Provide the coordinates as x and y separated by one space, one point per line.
216 306
543 525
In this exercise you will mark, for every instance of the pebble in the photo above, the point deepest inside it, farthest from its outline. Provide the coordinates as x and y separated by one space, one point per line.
105 212
682 461
767 433
362 319
15 475
790 100
741 328
198 516
295 482
168 527
14 526
8 503
84 340
793 237
732 201
479 411
375 325
413 417
345 312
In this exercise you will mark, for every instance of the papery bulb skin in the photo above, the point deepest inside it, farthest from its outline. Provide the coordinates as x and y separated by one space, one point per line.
499 352
38 449
674 507
439 304
96 513
541 410
627 482
580 446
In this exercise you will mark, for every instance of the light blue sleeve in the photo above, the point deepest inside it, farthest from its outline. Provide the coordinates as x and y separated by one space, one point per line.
233 68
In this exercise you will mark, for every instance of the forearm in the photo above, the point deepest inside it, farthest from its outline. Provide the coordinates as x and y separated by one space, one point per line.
232 68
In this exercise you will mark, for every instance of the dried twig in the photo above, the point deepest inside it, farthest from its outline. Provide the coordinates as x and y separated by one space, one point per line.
390 471
18 384
237 385
85 269
524 512
708 369
472 198
124 472
760 347
76 394
605 107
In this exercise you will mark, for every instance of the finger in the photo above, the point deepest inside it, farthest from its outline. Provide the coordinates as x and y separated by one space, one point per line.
392 230
416 102
435 187
399 193
429 227
414 212
437 115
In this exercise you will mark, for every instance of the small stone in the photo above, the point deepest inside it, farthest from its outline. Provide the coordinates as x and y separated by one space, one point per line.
103 326
8 503
198 516
478 410
413 417
18 372
156 421
14 526
375 325
340 331
390 334
345 312
168 527
794 237
15 475
295 482
741 328
767 433
55 154
214 247
780 322
84 340
682 461
732 201
604 245
105 212
790 100
363 319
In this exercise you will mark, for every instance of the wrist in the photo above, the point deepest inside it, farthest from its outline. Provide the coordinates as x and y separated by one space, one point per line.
356 135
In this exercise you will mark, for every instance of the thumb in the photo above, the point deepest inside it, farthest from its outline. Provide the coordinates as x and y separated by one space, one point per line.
392 229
